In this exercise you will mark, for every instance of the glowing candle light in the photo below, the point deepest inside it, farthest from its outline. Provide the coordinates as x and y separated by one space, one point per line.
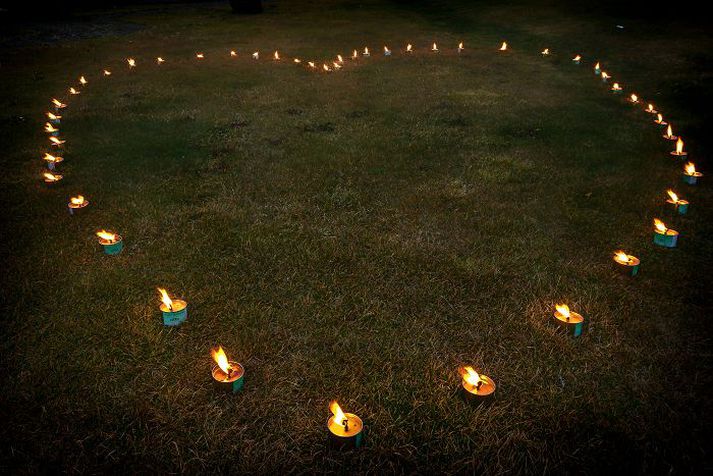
409 48
50 129
54 118
83 81
597 69
605 76
233 53
355 54
276 56
52 160
690 174
297 60
58 105
256 55
669 134
477 388
570 321
660 121
545 52
131 62
460 47
663 236
577 59
387 51
434 47
681 206
73 92
336 65
174 311
504 46
57 142
340 59
110 242
106 72
650 109
366 52
628 264
227 374
312 65
76 203
200 56
326 68
345 429
616 89
633 99
679 152
51 178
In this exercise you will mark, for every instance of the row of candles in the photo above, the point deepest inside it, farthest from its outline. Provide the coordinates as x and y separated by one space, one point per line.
346 429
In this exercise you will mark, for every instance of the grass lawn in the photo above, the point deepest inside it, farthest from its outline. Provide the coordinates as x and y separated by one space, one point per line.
357 236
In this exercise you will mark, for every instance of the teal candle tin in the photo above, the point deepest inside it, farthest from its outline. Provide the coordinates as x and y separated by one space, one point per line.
571 322
667 239
231 381
627 264
112 246
176 314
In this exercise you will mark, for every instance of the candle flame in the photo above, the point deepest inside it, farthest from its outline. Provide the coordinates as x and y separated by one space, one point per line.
621 257
355 54
200 55
56 141
276 56
256 55
50 128
605 75
50 177
106 72
325 67
504 46
672 195
669 131
53 117
650 108
73 91
596 66
165 299
546 51
469 375
679 146
386 50
220 358
616 87
577 58
311 64
83 81
336 65
634 98
409 48
434 47
366 51
106 236
57 103
339 416
132 62
340 59
51 158
563 309
690 168
660 226
78 200
297 60
659 119
233 53
460 46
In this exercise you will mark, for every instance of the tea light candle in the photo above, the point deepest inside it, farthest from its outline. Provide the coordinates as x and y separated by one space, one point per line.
355 54
174 311
577 59
200 56
460 47
650 109
605 77
311 64
56 142
616 89
54 118
233 53
345 429
276 56
76 203
597 69
256 55
669 134
570 321
679 152
633 99
160 61
74 92
340 59
131 62
387 51
336 65
627 263
106 72
434 48
663 236
659 120
58 105
504 46
83 81
111 242
326 68
366 51
476 387
52 160
50 129
545 52
690 174
227 375
681 206
409 48
50 178
297 61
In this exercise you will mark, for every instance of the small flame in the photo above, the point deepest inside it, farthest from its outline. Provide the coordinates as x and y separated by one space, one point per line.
233 53
160 60
659 119
339 416
78 200
469 375
616 87
434 47
650 108
336 65
132 62
577 58
340 59
325 67
596 66
504 46
51 158
73 91
256 55
50 128
311 64
106 236
621 257
355 54
366 51
634 98
672 195
460 47
56 141
53 117
387 51
165 299
106 72
409 48
563 309
83 81
546 51
276 56
200 55
690 168
220 358
669 131
297 60
58 104
679 146
659 225
50 177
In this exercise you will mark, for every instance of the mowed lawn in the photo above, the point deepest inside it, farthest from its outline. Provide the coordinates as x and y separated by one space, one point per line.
356 236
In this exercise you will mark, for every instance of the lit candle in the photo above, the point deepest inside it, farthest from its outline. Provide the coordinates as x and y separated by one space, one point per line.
76 203
387 51
366 51
227 374
633 99
160 61
336 65
56 142
597 69
311 64
52 160
659 120
131 62
650 109
477 387
51 178
58 105
111 242
355 55
297 60
669 134
663 236
409 48
605 77
233 53
679 152
83 81
326 68
570 321
73 92
340 59
174 311
54 118
276 56
690 174
345 429
681 206
504 46
460 47
577 59
106 72
200 56
50 129
434 47
616 89
627 263
256 55
545 52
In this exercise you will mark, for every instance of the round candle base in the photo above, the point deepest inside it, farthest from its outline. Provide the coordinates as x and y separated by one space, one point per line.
616 91
692 179
575 61
232 383
573 326
485 395
342 440
597 71
681 155
628 269
670 137
176 315
662 124
667 240
680 207
74 208
113 248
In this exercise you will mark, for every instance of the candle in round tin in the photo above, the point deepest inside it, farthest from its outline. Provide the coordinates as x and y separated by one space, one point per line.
545 52
52 160
650 109
409 48
477 388
597 69
577 59
366 51
659 120
628 264
669 134
54 118
681 206
690 174
58 105
434 48
664 236
174 311
679 152
460 47
633 99
50 178
570 321
50 129
110 242
346 430
605 77
387 51
227 375
616 89
76 203
503 47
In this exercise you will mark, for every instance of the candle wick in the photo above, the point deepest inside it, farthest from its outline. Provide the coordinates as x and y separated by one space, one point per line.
345 423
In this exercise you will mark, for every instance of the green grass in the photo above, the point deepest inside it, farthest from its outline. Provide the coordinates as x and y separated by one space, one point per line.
356 236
